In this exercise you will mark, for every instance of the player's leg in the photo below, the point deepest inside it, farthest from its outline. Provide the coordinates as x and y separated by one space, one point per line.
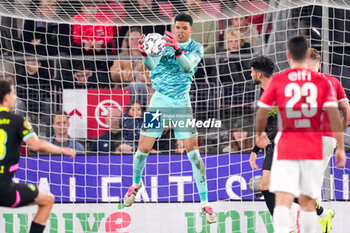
145 146
269 197
326 215
282 212
286 187
198 167
308 217
199 173
310 185
45 201
147 138
15 195
18 195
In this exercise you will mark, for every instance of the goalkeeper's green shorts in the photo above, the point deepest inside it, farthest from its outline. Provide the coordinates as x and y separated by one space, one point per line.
166 112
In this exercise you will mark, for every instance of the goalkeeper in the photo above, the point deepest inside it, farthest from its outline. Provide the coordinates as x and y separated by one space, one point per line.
172 75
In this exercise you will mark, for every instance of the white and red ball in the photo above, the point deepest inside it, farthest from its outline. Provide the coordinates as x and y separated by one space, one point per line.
154 44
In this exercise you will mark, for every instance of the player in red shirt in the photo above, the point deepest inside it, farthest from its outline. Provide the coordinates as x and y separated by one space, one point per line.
300 96
329 143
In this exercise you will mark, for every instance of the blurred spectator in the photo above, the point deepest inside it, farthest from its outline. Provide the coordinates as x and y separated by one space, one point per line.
60 138
130 73
111 140
84 75
132 123
234 69
46 37
33 85
249 32
206 33
139 11
239 142
92 39
10 39
144 10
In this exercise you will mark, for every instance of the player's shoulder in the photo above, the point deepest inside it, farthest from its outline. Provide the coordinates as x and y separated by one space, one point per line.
331 78
283 74
195 45
10 115
327 76
11 119
280 76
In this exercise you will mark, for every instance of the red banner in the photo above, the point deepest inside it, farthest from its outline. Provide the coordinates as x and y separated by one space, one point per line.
99 103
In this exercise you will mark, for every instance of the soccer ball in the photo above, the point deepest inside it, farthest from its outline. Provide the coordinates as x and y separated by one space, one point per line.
154 44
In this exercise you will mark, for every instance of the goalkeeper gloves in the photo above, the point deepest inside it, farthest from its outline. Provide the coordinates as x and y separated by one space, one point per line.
173 43
141 46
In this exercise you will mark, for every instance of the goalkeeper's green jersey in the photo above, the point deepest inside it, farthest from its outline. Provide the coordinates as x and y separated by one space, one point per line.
171 75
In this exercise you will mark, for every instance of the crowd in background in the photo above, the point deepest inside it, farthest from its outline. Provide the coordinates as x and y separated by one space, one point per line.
52 57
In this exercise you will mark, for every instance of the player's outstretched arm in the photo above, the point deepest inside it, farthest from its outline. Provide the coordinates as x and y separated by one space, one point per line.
337 129
188 62
37 144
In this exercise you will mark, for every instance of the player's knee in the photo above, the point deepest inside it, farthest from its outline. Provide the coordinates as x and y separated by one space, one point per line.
306 203
264 186
265 183
190 148
144 149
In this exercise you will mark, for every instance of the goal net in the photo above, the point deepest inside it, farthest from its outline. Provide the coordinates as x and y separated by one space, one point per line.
79 75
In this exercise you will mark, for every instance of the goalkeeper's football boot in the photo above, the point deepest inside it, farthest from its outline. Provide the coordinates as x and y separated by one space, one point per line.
326 222
209 214
129 197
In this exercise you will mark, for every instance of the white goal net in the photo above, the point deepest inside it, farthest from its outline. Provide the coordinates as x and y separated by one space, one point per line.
78 73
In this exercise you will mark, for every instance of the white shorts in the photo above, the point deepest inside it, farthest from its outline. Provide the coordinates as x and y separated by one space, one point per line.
297 177
329 145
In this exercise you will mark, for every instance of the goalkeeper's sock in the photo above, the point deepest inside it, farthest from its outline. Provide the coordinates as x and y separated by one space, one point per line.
320 211
136 185
138 165
36 228
204 204
199 174
269 200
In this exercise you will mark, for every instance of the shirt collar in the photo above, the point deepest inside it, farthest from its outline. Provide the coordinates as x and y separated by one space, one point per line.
2 109
186 43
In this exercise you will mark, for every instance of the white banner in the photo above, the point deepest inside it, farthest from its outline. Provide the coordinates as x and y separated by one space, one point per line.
74 103
237 217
